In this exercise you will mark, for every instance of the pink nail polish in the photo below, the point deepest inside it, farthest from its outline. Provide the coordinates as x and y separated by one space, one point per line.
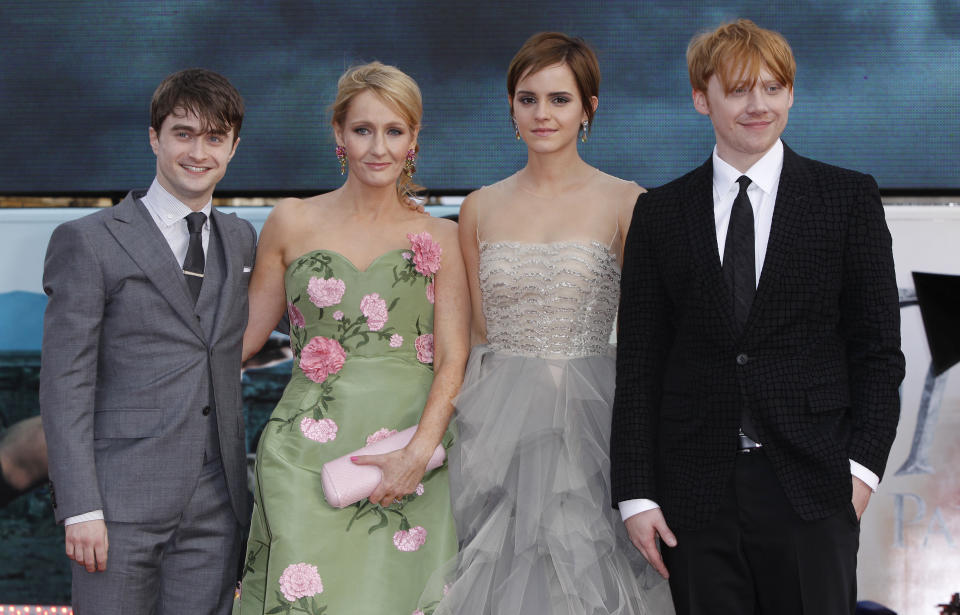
353 459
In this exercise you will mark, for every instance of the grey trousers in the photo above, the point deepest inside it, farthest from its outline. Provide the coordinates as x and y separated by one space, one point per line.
185 565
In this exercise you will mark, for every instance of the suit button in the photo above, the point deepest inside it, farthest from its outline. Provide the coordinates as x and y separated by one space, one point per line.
206 410
742 359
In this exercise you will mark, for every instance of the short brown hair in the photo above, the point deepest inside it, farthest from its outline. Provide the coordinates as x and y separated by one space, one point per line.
550 48
736 52
209 95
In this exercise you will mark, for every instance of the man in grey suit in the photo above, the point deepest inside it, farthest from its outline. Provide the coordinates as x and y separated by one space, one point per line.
140 377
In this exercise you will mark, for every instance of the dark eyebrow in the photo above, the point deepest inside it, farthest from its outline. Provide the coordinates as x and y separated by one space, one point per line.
192 130
549 94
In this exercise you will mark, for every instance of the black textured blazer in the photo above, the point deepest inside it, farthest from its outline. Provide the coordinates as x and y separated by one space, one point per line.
818 362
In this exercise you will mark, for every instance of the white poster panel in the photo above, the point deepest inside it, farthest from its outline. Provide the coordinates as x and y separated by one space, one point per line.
910 535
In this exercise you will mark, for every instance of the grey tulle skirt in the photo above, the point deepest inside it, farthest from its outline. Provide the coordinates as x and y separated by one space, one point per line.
530 484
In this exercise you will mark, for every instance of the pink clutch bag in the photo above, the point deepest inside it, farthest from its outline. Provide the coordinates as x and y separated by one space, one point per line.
345 483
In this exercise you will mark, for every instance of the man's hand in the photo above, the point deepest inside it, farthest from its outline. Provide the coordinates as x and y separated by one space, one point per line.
643 529
87 544
861 496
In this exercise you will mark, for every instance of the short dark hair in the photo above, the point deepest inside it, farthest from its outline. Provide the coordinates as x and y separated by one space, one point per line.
550 48
209 95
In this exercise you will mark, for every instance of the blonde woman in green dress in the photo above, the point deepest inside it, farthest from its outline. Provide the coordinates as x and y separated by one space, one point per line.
379 316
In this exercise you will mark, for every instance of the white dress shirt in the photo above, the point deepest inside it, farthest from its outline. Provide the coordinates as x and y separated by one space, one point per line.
764 182
169 214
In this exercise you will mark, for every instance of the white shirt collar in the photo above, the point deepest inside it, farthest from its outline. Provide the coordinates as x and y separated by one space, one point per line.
167 209
765 173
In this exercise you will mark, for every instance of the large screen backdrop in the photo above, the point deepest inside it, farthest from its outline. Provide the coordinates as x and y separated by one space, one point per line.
877 86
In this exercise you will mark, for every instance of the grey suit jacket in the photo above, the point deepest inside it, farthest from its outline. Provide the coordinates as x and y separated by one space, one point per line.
132 371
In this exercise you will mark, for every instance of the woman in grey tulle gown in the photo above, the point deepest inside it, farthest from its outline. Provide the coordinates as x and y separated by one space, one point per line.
530 470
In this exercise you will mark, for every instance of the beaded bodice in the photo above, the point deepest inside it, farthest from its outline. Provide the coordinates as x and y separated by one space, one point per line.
553 300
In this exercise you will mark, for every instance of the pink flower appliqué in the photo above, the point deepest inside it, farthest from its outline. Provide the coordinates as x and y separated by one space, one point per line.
321 357
375 309
424 345
396 340
325 292
410 540
426 253
420 489
295 315
418 612
300 581
320 431
407 255
431 292
380 434
338 315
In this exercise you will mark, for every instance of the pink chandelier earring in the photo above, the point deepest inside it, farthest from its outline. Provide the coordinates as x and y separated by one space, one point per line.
341 152
583 135
410 164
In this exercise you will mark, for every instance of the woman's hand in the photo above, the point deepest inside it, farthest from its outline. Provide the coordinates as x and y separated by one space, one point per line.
402 469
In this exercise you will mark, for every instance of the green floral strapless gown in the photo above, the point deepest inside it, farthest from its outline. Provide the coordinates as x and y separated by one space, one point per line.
364 349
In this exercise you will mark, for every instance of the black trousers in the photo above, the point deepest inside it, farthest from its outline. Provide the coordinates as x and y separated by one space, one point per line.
757 557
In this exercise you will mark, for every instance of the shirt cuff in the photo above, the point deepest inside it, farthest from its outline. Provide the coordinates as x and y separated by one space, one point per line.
93 515
872 480
629 508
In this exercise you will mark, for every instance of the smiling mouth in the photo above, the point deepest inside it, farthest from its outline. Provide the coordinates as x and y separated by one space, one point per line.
378 165
194 169
543 131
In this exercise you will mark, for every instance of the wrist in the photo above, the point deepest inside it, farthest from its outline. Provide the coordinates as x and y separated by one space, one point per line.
420 450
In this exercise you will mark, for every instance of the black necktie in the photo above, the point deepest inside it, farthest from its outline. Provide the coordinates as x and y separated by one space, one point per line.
739 269
193 263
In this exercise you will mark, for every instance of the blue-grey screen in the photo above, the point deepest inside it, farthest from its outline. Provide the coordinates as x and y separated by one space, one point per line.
877 87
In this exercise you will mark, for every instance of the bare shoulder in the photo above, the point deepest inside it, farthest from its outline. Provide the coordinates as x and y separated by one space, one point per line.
443 231
623 193
473 204
621 189
486 199
289 212
285 210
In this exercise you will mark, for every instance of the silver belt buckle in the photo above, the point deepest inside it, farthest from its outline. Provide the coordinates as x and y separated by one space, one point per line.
747 444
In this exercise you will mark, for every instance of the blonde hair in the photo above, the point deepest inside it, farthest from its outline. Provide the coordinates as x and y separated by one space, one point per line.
397 89
736 52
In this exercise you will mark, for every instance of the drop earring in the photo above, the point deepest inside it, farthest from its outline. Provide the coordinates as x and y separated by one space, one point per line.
341 152
583 135
410 164
516 129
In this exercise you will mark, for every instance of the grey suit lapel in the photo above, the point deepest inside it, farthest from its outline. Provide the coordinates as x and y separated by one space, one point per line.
211 290
140 238
703 236
232 264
